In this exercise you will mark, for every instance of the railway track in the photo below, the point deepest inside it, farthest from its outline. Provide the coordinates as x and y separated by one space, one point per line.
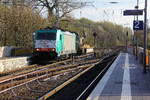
42 82
31 68
90 87
24 77
80 88
35 66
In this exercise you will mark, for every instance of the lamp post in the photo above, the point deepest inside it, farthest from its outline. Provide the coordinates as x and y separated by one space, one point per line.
145 35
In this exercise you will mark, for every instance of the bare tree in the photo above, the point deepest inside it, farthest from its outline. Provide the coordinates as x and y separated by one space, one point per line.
17 23
56 9
59 8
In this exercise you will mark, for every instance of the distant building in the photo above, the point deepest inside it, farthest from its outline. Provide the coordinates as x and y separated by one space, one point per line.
87 48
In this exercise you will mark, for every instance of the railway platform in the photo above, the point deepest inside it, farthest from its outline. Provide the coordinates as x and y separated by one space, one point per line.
124 80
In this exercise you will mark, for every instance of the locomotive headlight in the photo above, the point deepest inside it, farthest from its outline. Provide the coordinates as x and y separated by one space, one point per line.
37 49
53 49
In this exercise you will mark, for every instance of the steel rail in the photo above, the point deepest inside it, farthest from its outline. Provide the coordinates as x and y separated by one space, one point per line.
44 97
38 68
45 75
44 70
32 66
79 97
42 76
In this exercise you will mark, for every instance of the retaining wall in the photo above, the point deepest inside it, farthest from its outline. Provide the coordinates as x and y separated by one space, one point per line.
12 63
5 51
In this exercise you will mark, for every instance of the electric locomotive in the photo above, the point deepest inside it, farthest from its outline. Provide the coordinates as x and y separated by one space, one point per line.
52 43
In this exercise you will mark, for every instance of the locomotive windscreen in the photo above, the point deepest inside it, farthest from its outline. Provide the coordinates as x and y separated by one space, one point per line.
46 36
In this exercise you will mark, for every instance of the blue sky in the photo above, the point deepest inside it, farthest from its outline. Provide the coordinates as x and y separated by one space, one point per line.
105 11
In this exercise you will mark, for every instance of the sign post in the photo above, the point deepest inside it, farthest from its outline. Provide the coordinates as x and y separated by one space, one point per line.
137 26
145 36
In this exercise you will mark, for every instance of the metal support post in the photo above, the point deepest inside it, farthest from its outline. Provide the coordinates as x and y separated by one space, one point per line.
134 45
136 39
127 42
94 35
145 36
136 48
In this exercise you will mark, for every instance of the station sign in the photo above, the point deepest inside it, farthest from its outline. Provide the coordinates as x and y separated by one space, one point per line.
132 12
138 25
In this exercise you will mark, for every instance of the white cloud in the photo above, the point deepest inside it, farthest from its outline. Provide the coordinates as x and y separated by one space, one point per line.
113 13
101 14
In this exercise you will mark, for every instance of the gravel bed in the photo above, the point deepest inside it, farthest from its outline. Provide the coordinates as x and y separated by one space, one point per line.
45 85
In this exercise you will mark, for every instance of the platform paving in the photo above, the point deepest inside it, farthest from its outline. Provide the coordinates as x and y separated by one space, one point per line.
124 80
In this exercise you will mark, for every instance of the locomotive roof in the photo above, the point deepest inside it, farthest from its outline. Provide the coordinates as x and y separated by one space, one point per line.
55 28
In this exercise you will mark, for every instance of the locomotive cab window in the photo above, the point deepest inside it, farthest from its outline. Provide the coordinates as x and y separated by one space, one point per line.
60 37
46 36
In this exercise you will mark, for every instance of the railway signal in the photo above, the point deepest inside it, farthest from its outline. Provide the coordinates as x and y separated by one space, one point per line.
94 35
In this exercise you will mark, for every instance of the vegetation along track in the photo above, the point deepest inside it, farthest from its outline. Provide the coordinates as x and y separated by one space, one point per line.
21 79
